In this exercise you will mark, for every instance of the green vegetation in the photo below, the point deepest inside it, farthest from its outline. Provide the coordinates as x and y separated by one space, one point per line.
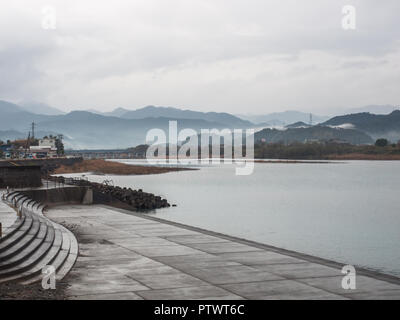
381 142
60 147
307 134
58 143
320 151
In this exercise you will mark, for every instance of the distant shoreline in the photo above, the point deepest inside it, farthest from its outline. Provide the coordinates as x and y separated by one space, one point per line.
114 168
328 158
359 156
117 168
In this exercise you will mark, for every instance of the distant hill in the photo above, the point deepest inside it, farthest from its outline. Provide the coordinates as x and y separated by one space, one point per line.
8 107
284 118
230 121
118 112
83 129
376 109
89 130
320 133
11 135
122 128
299 124
14 117
377 126
40 108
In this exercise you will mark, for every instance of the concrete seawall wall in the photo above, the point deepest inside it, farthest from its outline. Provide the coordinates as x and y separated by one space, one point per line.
67 195
20 176
74 195
28 173
41 162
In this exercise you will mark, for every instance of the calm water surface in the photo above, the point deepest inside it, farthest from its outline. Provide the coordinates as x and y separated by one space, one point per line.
348 212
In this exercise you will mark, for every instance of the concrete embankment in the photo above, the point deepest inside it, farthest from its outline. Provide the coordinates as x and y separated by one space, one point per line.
124 255
64 195
31 243
28 173
70 191
47 165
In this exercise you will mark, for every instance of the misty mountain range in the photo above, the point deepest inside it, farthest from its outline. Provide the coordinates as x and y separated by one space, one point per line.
124 128
376 125
284 118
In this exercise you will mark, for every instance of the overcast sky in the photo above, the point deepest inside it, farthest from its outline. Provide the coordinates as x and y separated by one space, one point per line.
238 56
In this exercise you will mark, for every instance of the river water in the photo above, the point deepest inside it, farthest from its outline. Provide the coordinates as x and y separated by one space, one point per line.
345 211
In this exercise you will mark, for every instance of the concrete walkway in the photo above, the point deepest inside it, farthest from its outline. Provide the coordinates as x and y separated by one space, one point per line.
128 256
7 215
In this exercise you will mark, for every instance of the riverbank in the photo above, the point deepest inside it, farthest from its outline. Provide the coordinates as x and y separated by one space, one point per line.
360 156
152 258
114 168
328 151
291 161
328 158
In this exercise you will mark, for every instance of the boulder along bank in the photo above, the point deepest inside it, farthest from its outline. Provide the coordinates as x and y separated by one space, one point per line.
137 200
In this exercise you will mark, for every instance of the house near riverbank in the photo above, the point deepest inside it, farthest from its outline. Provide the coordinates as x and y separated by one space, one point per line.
38 152
46 149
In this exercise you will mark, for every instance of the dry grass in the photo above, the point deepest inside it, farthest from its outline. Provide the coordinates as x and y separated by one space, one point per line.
110 167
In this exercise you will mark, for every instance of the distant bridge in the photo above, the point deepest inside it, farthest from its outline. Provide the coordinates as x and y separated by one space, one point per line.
105 154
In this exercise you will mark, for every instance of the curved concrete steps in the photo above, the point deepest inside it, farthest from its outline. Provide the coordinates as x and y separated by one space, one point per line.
34 273
63 261
17 235
25 260
33 242
72 256
24 243
8 232
44 234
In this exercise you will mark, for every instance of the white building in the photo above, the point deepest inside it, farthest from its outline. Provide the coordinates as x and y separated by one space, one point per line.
48 142
46 148
43 152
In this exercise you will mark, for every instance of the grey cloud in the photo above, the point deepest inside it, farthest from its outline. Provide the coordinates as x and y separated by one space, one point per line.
223 54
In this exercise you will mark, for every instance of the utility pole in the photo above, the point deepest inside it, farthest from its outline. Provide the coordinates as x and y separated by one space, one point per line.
33 130
27 144
310 119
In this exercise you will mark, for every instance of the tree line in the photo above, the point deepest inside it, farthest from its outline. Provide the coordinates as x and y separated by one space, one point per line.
316 151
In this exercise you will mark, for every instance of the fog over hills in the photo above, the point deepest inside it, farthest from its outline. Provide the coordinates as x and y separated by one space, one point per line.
40 108
83 129
377 126
9 107
14 117
89 130
284 118
124 128
229 120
